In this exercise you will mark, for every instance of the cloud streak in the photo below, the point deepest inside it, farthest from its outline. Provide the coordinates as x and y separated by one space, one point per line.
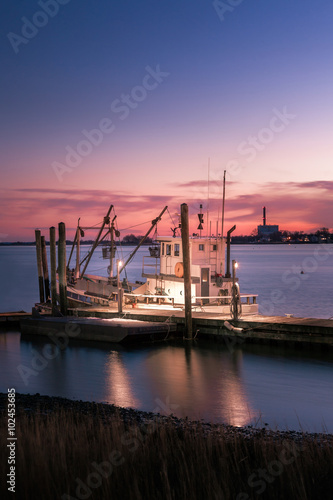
294 206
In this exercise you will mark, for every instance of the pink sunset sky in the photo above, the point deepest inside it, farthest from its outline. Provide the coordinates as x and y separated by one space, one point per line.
141 105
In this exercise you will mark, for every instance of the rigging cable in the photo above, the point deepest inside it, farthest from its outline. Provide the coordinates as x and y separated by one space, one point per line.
136 225
170 217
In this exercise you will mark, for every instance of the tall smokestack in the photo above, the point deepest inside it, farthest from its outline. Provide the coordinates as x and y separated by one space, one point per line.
264 216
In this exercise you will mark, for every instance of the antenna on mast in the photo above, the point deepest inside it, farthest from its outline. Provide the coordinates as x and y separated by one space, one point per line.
200 215
223 199
208 196
222 221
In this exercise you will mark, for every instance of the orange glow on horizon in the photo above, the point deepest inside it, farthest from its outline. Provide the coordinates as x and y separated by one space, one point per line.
294 207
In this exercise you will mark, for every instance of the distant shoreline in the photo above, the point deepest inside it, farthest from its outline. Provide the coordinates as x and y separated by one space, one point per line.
87 243
68 242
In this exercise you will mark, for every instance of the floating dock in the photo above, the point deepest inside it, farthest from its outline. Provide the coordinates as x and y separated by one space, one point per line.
117 330
153 324
13 318
251 328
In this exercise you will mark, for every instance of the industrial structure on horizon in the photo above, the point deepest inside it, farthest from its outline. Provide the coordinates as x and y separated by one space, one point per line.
266 230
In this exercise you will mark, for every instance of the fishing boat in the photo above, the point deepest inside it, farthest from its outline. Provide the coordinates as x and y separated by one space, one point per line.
214 284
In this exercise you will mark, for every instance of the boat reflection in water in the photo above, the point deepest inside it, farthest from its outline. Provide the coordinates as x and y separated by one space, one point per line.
184 381
118 382
287 387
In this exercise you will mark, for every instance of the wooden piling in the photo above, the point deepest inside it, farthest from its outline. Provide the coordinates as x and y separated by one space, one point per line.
187 271
119 288
53 264
45 270
234 293
62 268
78 239
39 265
227 274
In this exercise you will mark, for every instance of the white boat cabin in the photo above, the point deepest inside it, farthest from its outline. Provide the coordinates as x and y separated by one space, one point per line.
164 269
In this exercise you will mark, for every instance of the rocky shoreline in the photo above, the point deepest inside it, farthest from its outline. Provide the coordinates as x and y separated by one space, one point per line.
36 404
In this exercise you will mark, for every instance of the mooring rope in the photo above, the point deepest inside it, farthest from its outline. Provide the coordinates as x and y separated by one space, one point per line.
169 325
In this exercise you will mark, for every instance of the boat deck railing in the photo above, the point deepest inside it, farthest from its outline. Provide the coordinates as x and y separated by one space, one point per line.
226 299
219 300
159 298
151 262
134 298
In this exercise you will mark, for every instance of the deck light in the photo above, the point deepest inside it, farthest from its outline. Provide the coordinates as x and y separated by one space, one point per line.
119 288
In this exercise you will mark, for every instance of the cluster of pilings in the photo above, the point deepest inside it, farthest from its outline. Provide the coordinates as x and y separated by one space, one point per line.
47 293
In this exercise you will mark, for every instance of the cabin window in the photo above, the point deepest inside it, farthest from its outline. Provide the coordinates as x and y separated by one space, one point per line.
201 247
176 249
162 248
204 275
168 249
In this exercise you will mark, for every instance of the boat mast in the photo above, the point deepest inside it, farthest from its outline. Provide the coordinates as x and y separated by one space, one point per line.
222 222
106 220
208 196
153 224
77 243
223 199
72 250
112 242
78 235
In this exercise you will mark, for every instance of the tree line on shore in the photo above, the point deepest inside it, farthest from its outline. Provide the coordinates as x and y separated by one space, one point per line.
129 239
322 235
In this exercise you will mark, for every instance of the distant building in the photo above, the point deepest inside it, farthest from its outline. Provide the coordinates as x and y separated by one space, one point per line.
266 230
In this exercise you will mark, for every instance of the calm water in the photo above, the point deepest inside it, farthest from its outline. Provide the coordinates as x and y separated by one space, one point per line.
241 386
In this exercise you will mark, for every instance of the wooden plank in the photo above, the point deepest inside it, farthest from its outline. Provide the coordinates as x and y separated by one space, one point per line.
17 314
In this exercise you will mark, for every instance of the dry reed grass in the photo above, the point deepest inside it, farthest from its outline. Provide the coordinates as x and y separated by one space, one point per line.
66 454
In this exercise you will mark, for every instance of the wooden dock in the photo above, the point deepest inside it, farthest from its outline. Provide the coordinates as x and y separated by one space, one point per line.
13 318
255 328
118 330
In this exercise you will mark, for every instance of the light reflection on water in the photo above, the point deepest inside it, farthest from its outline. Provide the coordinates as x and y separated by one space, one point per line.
118 383
281 385
251 384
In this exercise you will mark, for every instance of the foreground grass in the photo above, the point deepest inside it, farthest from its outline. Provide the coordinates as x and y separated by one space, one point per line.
66 454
